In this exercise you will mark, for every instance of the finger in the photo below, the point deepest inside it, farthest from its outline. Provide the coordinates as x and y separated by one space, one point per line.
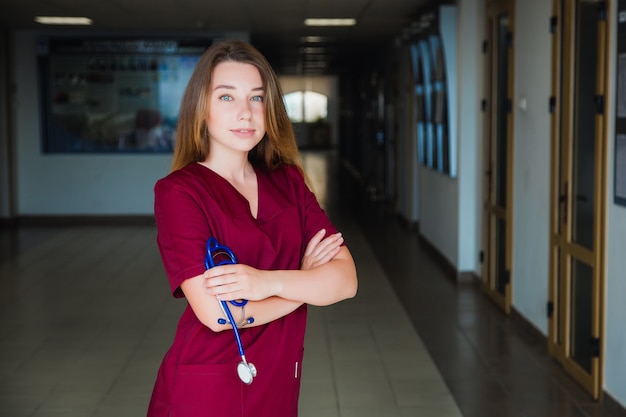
329 243
325 257
333 240
329 255
221 275
219 284
314 242
224 292
220 270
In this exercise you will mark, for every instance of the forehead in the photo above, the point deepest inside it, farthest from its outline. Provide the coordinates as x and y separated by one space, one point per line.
236 73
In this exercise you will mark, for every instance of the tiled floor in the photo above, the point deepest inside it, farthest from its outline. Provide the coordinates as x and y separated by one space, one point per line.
86 316
493 364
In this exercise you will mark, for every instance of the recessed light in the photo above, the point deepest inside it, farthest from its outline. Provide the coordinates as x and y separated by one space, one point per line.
63 20
315 39
315 64
330 22
312 50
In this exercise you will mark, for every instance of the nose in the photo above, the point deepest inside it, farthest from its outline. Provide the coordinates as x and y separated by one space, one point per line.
244 111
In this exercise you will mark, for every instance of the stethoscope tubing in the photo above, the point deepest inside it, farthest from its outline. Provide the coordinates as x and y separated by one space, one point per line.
234 326
213 248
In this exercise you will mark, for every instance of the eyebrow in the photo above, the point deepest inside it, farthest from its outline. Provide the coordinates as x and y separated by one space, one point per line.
230 87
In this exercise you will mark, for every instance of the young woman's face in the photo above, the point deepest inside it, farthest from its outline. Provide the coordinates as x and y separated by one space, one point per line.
236 107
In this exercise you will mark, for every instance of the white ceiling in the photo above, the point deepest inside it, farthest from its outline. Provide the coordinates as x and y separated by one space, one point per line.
276 26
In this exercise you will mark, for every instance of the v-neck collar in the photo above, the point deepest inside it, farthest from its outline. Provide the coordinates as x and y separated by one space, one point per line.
236 191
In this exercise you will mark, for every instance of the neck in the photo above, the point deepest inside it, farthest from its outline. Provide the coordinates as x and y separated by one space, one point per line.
231 169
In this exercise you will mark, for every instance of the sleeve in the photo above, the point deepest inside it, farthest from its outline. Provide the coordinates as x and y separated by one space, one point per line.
314 218
182 230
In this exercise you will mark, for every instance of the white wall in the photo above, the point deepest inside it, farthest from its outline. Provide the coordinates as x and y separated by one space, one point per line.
95 184
74 184
56 184
450 208
531 165
469 139
615 365
439 193
439 208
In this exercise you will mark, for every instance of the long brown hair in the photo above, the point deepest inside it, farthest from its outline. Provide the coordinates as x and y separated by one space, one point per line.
278 146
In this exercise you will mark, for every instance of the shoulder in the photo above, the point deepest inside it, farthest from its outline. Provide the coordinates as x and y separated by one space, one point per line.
180 186
287 173
184 177
288 178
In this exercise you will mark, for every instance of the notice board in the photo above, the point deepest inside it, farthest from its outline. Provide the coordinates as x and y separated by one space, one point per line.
113 94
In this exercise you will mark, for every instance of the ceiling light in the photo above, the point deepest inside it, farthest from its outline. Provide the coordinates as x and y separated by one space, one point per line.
314 57
315 64
63 20
314 39
330 22
312 50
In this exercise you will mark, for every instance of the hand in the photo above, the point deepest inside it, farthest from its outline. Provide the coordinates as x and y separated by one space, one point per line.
321 250
237 281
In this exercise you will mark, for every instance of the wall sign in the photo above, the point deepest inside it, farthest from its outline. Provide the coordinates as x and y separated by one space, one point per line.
113 95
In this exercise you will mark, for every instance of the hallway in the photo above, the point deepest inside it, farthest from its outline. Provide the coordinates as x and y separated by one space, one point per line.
86 316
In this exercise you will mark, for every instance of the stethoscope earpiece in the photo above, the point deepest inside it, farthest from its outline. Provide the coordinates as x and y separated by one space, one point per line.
222 321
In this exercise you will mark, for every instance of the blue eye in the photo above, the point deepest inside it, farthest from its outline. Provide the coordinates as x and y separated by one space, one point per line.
258 98
226 97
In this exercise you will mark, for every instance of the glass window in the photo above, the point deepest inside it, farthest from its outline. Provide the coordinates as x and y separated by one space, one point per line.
306 106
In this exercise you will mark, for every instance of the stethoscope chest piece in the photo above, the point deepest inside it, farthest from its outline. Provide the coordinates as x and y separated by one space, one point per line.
246 371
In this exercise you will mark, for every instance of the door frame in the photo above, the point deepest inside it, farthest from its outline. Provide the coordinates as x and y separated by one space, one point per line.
562 131
488 257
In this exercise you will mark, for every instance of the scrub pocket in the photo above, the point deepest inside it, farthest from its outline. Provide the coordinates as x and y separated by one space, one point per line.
207 390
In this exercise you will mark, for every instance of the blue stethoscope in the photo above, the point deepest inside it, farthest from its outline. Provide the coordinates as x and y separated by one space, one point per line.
245 369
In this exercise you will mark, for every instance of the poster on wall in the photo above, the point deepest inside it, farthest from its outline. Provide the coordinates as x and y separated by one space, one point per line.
113 95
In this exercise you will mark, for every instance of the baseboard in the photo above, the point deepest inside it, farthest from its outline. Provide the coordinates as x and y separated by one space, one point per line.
410 225
7 223
613 406
459 277
467 277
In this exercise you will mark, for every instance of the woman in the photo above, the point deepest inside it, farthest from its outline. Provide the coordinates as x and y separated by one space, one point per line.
237 177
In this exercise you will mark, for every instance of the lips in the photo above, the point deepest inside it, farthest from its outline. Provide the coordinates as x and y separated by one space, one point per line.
244 133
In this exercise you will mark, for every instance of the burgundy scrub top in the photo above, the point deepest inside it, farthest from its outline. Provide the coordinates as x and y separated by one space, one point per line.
198 375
